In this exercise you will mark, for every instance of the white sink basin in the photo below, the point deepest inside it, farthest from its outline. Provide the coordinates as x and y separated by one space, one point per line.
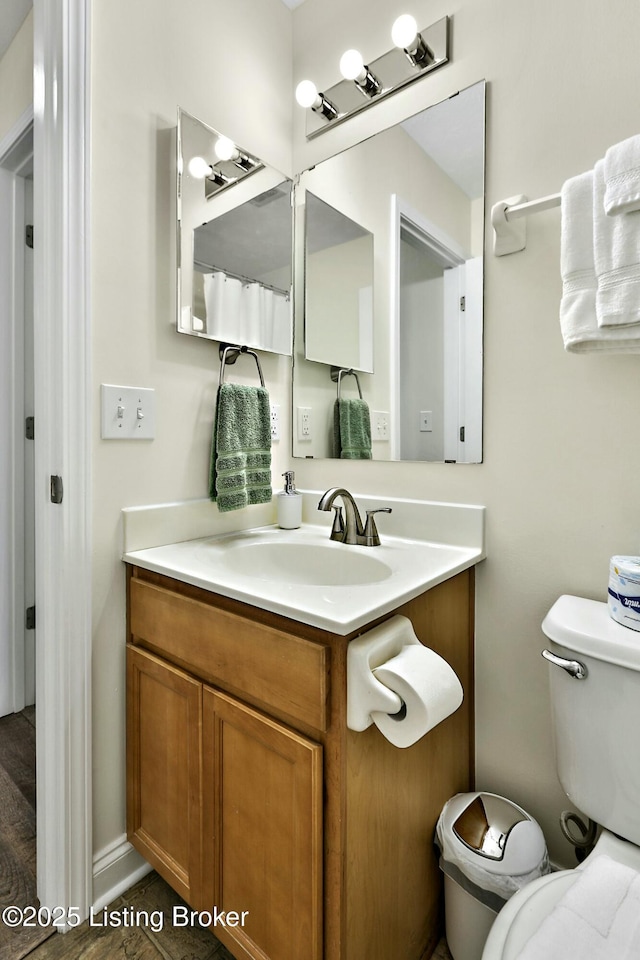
304 563
303 575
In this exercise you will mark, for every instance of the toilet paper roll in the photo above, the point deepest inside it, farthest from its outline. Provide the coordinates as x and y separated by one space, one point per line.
624 591
428 687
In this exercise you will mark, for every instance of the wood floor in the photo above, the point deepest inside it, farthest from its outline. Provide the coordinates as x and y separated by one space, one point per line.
146 930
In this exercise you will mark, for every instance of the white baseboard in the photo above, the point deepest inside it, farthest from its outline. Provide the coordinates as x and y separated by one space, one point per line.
116 868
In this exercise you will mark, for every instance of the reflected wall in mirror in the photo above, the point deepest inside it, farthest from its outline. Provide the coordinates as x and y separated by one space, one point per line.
338 257
234 243
418 190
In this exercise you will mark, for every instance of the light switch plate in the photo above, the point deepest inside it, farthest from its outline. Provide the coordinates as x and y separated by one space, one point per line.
426 421
128 413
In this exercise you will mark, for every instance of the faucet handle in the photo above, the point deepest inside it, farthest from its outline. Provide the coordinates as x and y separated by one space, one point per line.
337 530
371 536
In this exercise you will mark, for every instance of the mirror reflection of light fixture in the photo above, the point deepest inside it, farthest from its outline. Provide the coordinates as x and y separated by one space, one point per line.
226 149
308 96
199 169
353 67
404 34
414 54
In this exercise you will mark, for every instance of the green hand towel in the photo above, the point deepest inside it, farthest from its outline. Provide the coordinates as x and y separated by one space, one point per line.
352 430
240 472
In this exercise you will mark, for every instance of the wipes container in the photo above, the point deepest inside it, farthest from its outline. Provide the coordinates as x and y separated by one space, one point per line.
489 848
624 591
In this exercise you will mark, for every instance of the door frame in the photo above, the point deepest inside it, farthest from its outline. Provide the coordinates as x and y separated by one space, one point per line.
15 156
446 251
63 416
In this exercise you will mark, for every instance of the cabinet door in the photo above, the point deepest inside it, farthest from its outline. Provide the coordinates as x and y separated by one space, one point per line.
164 727
262 818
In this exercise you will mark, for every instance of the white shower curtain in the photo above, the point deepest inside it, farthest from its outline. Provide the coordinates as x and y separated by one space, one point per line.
247 313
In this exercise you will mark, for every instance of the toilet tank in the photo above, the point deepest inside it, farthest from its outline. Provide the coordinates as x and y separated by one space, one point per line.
597 719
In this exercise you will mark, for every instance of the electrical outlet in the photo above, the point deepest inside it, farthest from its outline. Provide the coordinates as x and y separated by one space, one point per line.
380 425
304 423
275 421
426 421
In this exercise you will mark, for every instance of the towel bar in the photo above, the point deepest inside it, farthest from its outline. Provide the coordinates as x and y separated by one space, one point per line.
234 352
509 236
337 373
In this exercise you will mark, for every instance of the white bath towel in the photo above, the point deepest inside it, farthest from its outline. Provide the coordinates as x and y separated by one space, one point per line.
622 177
597 919
616 243
578 320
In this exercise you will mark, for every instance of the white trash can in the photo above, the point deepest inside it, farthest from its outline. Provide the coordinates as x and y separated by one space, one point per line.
489 848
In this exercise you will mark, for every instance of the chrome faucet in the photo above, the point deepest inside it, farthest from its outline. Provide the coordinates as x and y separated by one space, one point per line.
350 530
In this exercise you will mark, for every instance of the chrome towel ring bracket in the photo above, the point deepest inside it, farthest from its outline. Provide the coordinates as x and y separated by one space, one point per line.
229 353
337 373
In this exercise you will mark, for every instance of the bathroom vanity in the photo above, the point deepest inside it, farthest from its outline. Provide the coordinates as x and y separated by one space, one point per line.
247 792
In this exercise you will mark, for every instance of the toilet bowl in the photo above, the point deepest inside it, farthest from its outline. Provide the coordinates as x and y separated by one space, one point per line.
594 666
523 914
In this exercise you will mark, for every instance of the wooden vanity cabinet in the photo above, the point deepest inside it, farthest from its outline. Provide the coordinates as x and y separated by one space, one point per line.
247 792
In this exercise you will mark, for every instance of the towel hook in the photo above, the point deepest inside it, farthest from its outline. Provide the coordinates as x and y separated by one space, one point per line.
234 352
337 373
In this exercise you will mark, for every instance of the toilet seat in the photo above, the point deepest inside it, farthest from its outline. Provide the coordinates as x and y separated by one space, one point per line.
524 912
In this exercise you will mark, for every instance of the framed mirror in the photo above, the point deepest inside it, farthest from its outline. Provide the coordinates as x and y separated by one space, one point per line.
417 191
234 244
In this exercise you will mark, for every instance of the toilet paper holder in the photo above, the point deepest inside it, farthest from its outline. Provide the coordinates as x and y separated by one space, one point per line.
365 693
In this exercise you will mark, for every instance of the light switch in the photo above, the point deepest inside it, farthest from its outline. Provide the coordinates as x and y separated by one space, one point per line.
128 413
426 421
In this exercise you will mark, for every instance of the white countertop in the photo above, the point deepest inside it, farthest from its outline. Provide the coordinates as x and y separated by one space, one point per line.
398 570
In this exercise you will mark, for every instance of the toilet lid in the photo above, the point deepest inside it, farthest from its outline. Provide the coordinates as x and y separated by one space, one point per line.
522 915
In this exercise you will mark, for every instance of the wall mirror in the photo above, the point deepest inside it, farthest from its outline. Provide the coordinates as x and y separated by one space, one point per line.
234 244
415 194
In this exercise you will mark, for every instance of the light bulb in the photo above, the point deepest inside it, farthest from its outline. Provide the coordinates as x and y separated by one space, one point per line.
198 168
226 149
307 93
352 65
404 31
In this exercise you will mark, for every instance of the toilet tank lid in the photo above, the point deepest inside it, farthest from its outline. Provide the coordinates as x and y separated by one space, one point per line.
585 626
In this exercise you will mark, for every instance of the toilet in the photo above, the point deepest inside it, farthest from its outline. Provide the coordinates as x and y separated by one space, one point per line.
594 667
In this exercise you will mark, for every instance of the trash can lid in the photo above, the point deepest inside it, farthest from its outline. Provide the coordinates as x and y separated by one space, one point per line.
487 826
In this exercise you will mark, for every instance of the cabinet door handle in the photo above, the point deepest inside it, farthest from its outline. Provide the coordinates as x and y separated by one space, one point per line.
574 668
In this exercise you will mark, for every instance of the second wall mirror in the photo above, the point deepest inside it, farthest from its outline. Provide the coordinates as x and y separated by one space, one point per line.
234 242
389 240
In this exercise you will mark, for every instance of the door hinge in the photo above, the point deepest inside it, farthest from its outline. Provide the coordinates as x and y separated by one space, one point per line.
29 428
461 434
463 304
30 618
28 235
56 489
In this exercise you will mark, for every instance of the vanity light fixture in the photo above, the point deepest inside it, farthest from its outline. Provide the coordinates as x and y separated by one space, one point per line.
415 53
405 36
353 67
308 96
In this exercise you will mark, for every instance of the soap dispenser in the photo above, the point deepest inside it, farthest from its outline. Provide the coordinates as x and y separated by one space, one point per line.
289 504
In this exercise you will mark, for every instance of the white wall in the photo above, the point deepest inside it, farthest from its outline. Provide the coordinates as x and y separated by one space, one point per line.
422 334
229 65
559 477
16 76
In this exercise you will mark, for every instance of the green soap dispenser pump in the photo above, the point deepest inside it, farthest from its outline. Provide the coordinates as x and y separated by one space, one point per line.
289 503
